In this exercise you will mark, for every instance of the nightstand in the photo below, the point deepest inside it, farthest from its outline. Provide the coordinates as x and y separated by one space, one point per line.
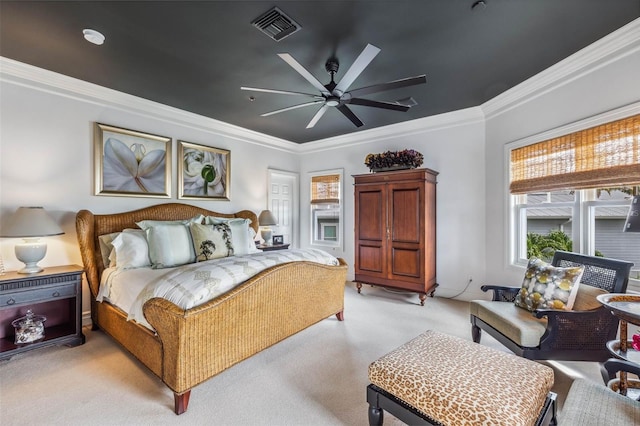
271 247
55 293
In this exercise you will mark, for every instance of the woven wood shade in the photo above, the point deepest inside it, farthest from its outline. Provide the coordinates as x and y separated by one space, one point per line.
325 189
603 156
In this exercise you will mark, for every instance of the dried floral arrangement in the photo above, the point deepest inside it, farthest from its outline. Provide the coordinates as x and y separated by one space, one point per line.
407 159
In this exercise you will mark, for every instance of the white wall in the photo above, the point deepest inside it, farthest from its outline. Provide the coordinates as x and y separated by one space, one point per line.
453 145
46 157
609 83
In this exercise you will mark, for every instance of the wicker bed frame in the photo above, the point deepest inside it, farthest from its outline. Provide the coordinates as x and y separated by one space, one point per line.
193 345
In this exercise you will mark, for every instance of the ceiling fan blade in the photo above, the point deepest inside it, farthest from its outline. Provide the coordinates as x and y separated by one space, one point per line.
356 68
303 72
396 84
350 115
278 111
378 104
281 92
318 116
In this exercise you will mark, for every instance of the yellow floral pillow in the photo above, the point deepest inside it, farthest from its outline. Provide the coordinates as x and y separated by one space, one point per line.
548 287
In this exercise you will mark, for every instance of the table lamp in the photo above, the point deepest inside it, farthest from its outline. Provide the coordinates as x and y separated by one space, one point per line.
30 223
633 218
265 220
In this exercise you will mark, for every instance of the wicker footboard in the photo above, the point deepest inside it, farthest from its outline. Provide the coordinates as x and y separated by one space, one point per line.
201 342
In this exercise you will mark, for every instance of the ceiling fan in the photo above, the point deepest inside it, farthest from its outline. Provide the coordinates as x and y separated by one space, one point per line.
337 95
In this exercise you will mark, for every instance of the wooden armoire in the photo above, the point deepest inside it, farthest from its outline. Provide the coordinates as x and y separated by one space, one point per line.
395 230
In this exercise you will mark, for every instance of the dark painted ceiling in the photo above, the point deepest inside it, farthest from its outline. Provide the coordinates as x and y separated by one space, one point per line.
195 55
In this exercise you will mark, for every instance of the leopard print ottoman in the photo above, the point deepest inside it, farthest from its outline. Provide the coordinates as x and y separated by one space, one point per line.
458 382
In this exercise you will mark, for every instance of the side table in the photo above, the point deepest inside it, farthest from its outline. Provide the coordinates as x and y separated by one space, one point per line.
55 293
627 308
271 247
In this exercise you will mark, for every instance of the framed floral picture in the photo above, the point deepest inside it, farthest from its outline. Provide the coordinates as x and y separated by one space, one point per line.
131 163
203 172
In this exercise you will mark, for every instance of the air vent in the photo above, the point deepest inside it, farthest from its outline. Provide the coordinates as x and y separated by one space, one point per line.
276 24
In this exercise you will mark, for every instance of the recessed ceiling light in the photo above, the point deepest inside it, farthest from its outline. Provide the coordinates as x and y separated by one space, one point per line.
93 36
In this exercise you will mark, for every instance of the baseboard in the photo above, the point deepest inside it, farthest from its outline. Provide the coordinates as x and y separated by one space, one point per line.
86 318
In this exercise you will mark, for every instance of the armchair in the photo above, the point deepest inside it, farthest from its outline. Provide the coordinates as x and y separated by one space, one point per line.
577 335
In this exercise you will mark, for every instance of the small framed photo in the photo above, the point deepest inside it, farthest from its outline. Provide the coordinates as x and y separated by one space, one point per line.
278 239
131 163
203 172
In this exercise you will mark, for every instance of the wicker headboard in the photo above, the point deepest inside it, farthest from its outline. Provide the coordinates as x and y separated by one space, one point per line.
90 226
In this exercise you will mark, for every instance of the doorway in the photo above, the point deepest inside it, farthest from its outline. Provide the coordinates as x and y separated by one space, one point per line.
282 199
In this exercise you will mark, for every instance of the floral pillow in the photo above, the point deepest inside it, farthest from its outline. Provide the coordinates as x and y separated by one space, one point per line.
240 234
548 287
211 241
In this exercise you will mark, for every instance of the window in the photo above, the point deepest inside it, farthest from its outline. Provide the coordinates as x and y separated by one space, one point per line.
545 223
326 208
552 221
573 193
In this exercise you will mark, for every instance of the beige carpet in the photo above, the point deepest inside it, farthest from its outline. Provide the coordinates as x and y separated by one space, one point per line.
317 377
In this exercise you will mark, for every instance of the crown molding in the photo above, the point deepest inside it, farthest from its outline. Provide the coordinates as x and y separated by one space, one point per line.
432 123
585 123
35 78
618 44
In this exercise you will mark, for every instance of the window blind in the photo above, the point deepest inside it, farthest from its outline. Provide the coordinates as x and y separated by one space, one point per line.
325 189
603 156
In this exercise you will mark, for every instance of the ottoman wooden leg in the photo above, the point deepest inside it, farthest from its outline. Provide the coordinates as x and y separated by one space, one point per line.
376 416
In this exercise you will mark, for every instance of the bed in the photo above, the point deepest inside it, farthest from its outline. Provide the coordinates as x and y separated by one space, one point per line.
185 347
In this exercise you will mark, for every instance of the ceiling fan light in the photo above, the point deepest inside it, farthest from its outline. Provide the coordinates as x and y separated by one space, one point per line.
332 101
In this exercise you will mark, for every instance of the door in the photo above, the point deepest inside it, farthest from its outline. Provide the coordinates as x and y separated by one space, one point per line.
282 199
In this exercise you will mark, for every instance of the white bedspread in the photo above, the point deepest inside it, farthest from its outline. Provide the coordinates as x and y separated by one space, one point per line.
195 283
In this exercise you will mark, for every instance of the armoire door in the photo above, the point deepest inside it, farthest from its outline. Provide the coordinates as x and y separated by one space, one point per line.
371 230
406 237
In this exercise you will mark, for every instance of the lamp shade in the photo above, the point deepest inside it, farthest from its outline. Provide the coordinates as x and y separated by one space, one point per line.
28 222
267 218
633 218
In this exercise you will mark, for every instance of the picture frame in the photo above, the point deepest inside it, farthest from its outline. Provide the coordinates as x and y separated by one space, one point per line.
129 163
204 172
278 240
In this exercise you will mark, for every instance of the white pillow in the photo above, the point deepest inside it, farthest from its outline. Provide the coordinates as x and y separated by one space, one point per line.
240 234
211 241
170 245
132 250
106 247
112 259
